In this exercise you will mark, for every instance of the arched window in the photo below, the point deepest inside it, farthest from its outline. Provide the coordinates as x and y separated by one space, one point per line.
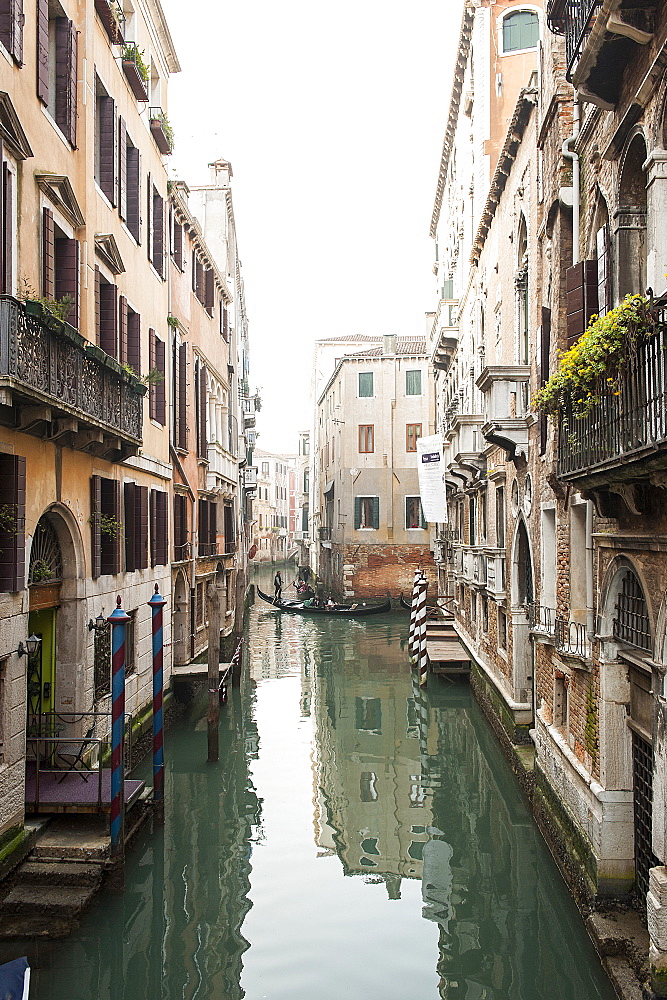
631 622
521 30
630 222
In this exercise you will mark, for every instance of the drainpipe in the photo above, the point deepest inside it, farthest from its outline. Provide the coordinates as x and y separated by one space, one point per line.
590 622
569 154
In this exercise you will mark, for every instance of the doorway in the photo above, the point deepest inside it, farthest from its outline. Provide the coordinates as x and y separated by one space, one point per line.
41 671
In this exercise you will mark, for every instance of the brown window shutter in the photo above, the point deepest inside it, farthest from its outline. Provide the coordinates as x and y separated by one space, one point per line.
66 67
152 393
108 319
107 139
162 529
581 297
603 249
161 394
18 21
43 50
7 229
158 234
95 532
199 290
122 328
12 530
543 373
48 255
194 271
141 526
149 218
178 245
134 341
130 526
98 330
67 275
122 168
110 507
212 524
5 220
133 192
203 526
224 321
203 439
209 292
182 438
153 526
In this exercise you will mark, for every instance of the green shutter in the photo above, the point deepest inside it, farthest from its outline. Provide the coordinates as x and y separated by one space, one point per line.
376 511
357 512
365 383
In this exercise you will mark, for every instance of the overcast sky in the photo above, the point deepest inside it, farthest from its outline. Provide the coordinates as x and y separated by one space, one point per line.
332 117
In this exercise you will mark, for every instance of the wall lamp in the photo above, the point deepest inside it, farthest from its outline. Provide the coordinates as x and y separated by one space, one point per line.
97 625
31 646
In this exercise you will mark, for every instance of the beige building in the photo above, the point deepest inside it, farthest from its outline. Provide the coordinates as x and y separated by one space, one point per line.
370 414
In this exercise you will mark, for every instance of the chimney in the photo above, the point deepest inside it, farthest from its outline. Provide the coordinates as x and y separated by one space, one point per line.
389 343
221 172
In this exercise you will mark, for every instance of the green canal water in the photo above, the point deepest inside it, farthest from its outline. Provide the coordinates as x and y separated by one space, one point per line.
356 840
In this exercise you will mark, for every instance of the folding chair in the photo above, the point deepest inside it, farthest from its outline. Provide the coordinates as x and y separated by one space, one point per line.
74 752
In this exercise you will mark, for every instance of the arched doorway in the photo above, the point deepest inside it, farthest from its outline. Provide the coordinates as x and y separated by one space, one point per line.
181 622
54 679
630 222
522 597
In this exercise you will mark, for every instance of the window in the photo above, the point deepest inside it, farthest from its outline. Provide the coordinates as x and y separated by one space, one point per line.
201 407
57 66
180 527
105 142
106 527
500 517
135 526
155 242
129 333
209 291
180 394
60 265
159 528
560 700
12 525
306 481
502 629
413 383
414 516
521 30
366 512
207 526
472 521
484 603
130 643
200 605
11 28
368 715
176 242
366 443
106 314
224 321
365 383
229 526
265 468
368 786
157 403
412 434
131 188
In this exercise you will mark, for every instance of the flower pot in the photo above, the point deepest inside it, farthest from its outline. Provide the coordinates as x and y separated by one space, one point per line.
161 139
135 80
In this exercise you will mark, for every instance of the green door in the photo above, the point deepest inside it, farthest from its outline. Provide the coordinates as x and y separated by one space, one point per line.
41 675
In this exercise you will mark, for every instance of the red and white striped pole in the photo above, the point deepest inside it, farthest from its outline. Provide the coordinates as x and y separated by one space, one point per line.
118 620
156 604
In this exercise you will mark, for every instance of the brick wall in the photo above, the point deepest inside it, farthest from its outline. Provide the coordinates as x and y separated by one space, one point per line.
375 570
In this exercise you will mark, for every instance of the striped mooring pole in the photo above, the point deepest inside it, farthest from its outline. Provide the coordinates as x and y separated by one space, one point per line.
413 648
422 654
118 619
156 604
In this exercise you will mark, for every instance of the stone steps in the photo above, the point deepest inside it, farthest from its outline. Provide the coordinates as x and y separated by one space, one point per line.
46 897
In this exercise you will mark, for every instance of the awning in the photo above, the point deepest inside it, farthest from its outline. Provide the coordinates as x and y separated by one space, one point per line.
329 487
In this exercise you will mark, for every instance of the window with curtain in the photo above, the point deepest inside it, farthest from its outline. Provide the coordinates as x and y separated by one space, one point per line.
414 516
412 433
366 438
413 383
365 383
366 512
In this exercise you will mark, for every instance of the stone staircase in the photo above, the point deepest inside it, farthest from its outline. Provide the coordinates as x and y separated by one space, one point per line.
46 897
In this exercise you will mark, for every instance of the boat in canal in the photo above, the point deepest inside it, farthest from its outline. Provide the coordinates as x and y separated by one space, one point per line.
336 610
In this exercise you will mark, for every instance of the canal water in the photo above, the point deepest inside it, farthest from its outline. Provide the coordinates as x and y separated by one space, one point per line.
357 840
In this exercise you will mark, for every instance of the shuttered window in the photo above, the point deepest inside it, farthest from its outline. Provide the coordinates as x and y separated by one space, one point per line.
67 271
224 321
543 373
229 525
208 530
134 340
413 383
180 527
209 291
106 312
11 28
159 528
64 107
157 242
603 249
177 244
581 290
365 383
106 526
366 512
136 526
157 397
43 50
105 143
200 409
133 180
412 434
180 384
122 168
7 237
12 522
48 255
521 30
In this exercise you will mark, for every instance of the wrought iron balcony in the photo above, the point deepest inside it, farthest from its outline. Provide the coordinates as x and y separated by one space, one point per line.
627 429
571 638
325 533
52 386
573 18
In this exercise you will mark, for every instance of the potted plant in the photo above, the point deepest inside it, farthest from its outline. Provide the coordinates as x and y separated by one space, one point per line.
161 131
113 19
135 70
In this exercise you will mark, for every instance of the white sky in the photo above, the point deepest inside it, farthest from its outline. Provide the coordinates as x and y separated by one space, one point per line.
332 117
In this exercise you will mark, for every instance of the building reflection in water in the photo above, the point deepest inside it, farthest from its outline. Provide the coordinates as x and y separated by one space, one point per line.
412 785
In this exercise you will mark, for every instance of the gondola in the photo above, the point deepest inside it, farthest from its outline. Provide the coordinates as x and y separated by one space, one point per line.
432 610
337 611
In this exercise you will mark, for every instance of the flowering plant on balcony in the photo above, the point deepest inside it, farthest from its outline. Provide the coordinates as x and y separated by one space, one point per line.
596 360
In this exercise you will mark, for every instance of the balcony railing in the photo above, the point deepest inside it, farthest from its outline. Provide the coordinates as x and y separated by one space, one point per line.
571 638
325 534
574 19
229 548
541 619
207 548
620 428
48 365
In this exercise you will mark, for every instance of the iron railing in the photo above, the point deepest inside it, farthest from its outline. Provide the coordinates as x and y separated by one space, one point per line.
574 19
541 619
325 533
571 637
625 423
632 623
207 548
52 366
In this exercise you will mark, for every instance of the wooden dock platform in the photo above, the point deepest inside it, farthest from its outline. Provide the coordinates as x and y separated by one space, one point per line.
446 653
197 671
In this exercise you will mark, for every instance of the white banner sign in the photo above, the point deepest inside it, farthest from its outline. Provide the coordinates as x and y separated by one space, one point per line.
431 468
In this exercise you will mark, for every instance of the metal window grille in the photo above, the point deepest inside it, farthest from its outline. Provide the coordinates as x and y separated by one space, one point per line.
102 658
642 772
631 623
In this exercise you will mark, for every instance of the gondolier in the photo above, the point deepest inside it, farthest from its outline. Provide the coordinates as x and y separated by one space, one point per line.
277 588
